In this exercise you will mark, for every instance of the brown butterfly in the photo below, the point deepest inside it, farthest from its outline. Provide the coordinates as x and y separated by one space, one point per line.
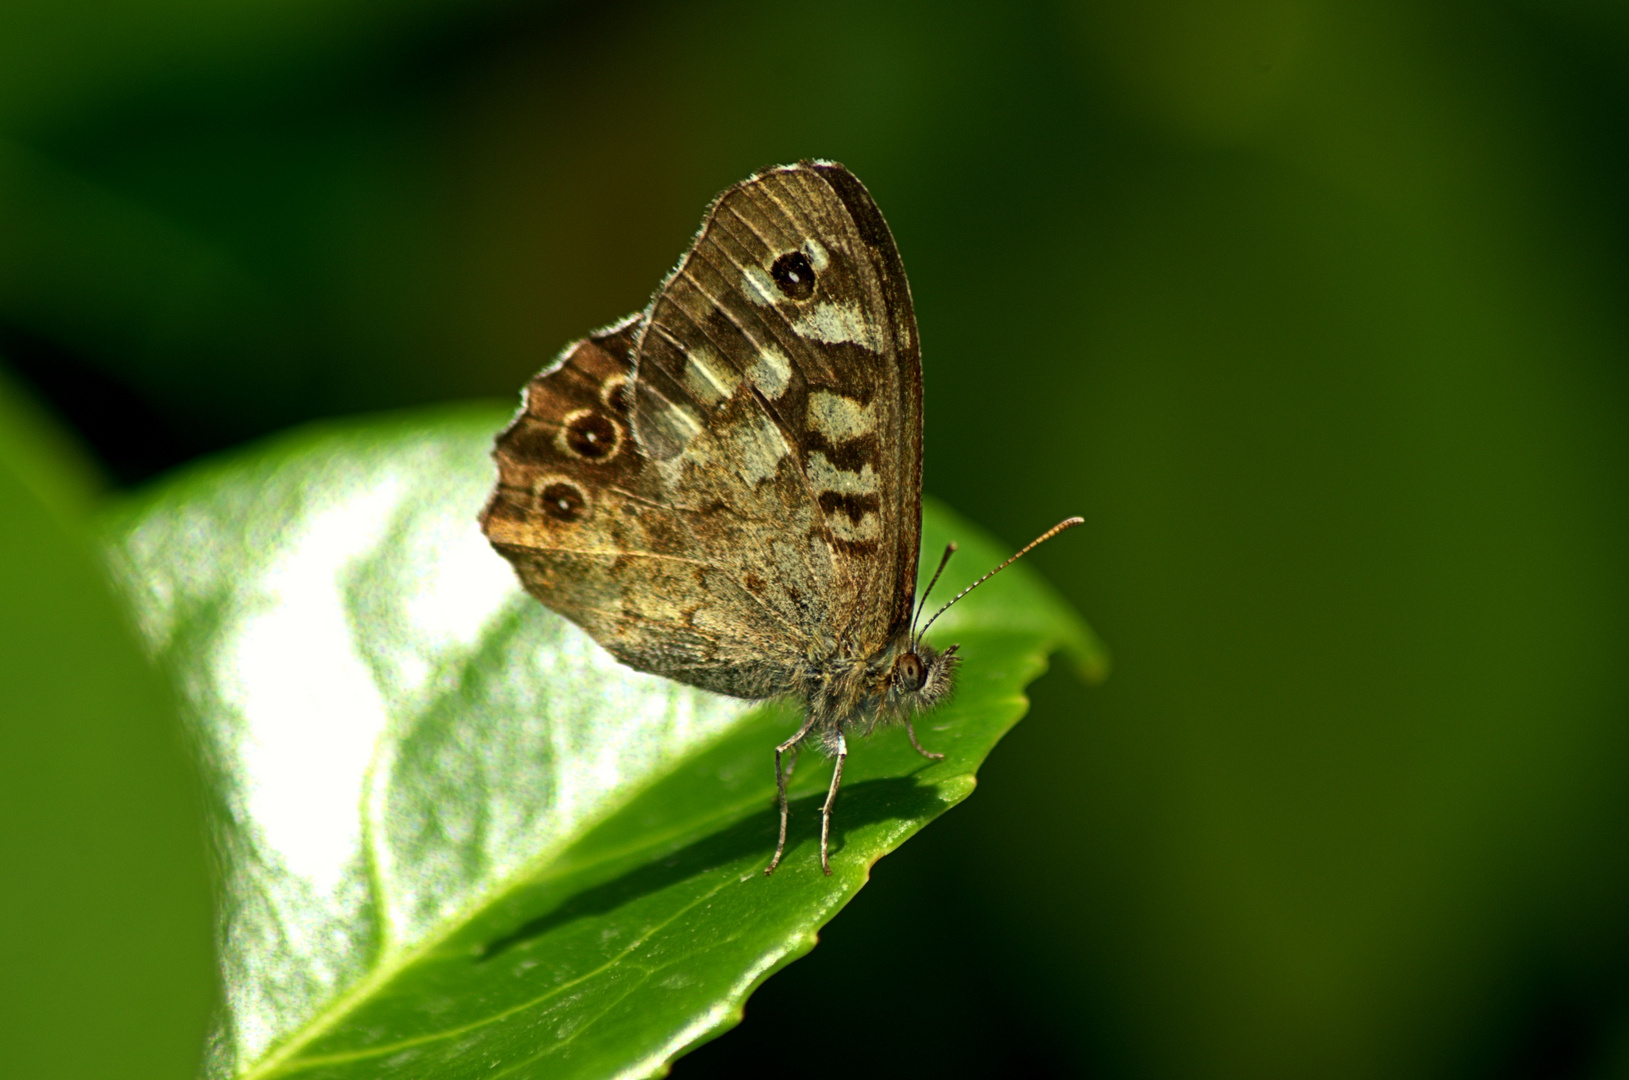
726 489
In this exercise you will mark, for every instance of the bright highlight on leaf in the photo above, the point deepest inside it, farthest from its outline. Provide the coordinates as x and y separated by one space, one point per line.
457 838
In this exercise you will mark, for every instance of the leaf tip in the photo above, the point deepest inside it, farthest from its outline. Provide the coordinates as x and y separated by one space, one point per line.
1085 652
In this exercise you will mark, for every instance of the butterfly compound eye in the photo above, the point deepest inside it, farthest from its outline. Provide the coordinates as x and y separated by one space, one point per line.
794 275
911 672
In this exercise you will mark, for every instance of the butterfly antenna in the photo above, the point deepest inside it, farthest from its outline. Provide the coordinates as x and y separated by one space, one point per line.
950 549
1067 523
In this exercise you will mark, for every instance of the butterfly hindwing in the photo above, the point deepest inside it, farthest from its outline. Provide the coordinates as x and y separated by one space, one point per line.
581 513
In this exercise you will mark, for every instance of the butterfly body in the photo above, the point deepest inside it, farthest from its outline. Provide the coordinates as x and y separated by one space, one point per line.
725 489
856 694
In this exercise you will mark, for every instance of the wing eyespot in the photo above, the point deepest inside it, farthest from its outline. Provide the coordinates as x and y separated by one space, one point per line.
794 275
564 501
590 435
614 394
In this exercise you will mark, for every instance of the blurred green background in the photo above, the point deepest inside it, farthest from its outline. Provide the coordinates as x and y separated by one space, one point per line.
1318 310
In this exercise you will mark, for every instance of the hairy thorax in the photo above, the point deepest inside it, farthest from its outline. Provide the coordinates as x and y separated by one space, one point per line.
853 695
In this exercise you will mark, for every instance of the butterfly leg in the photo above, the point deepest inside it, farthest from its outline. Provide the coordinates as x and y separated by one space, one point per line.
781 777
909 730
831 799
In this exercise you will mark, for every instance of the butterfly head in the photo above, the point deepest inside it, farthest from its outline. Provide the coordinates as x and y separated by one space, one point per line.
922 676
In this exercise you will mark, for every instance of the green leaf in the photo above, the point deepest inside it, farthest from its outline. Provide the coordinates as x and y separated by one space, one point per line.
459 839
105 919
53 466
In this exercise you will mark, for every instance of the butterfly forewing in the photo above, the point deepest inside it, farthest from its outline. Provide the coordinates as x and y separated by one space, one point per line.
892 587
779 385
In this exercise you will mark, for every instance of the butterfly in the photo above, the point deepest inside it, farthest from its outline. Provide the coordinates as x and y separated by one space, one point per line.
725 489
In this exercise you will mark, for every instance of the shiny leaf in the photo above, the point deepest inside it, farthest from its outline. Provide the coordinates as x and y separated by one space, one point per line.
461 840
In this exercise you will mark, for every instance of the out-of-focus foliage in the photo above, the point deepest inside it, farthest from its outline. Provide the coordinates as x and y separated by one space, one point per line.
105 912
1315 308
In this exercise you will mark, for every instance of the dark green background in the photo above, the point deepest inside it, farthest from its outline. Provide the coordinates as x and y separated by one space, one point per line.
1315 310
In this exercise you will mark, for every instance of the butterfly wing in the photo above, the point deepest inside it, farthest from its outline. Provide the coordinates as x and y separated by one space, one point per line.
729 486
582 515
779 392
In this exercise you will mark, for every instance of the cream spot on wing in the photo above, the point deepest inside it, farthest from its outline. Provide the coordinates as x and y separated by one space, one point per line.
817 254
868 528
827 477
673 468
833 322
708 378
760 287
757 449
770 372
681 423
839 418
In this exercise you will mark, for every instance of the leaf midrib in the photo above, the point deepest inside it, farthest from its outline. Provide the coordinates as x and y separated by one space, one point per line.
539 870
358 1055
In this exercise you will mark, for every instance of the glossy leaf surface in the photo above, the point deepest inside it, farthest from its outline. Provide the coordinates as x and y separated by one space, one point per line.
459 839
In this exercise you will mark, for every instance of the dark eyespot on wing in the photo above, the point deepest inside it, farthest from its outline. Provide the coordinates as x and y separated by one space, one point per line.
563 501
592 435
794 275
614 393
